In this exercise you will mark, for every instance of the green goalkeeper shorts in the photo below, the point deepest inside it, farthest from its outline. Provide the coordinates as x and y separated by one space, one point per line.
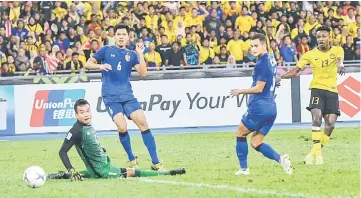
112 172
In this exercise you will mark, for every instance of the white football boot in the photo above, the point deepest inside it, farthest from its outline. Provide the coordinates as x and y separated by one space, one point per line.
243 171
286 164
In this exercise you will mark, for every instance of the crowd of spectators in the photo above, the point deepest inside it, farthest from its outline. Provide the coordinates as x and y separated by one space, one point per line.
47 37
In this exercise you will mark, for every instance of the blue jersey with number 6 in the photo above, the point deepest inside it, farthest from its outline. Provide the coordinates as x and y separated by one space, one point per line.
265 71
116 85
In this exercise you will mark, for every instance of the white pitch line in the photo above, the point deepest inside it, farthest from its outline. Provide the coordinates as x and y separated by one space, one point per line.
3 140
226 187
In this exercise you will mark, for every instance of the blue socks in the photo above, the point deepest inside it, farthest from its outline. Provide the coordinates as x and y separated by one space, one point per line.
242 151
268 152
124 138
149 142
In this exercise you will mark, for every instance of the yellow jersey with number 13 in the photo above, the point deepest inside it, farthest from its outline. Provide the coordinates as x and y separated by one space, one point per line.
324 67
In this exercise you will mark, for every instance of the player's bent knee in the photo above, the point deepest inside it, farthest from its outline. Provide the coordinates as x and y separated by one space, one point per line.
255 143
317 121
242 130
119 120
316 117
130 172
139 119
330 125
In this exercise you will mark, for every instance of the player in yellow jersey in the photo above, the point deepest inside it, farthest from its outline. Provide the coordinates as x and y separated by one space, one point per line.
326 61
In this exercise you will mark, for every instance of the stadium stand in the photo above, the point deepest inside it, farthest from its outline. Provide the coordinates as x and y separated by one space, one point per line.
42 38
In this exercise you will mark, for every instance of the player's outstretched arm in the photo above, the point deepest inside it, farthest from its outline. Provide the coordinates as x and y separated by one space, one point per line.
253 90
141 67
340 67
291 73
63 152
302 63
70 140
91 64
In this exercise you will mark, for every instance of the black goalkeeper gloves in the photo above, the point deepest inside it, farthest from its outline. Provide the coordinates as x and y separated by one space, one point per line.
74 176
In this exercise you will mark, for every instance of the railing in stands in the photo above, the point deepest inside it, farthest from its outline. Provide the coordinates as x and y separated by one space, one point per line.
353 65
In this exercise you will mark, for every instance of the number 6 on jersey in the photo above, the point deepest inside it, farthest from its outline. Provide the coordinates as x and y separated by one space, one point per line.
119 67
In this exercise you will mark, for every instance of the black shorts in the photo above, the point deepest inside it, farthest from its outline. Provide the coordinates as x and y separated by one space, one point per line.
324 100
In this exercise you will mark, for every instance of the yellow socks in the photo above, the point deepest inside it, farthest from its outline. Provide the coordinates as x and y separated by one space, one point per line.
316 139
324 138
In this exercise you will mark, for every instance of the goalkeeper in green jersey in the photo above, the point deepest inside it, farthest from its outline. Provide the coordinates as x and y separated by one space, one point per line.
83 136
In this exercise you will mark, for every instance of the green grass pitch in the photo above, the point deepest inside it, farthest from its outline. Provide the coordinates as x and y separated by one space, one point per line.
210 161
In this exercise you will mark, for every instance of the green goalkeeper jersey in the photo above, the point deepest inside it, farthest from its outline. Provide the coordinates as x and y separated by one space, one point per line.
86 142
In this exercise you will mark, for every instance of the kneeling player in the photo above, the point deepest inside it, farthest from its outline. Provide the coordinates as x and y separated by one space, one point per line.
262 111
96 161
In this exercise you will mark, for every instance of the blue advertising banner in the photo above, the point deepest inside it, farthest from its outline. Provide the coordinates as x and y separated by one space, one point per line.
7 111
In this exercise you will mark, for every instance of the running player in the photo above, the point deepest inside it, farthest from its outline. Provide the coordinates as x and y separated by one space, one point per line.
116 63
262 111
96 161
326 61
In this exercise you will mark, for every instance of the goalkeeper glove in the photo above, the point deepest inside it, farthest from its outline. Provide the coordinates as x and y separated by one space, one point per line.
74 176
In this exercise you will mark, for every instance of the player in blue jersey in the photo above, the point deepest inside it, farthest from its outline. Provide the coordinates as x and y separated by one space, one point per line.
116 63
262 111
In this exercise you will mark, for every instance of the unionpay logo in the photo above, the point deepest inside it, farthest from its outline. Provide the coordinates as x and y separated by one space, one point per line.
55 107
350 91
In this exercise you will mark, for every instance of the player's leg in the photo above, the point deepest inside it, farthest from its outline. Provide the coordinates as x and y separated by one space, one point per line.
131 172
242 149
134 111
116 111
330 121
244 128
116 172
266 149
316 107
331 114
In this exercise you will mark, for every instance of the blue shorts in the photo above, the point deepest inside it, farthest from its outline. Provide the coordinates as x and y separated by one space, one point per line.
262 124
127 108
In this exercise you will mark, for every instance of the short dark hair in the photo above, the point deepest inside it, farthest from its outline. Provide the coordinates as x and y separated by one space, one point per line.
80 102
110 27
303 35
121 26
260 37
94 41
205 38
4 63
287 36
351 8
323 28
178 43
